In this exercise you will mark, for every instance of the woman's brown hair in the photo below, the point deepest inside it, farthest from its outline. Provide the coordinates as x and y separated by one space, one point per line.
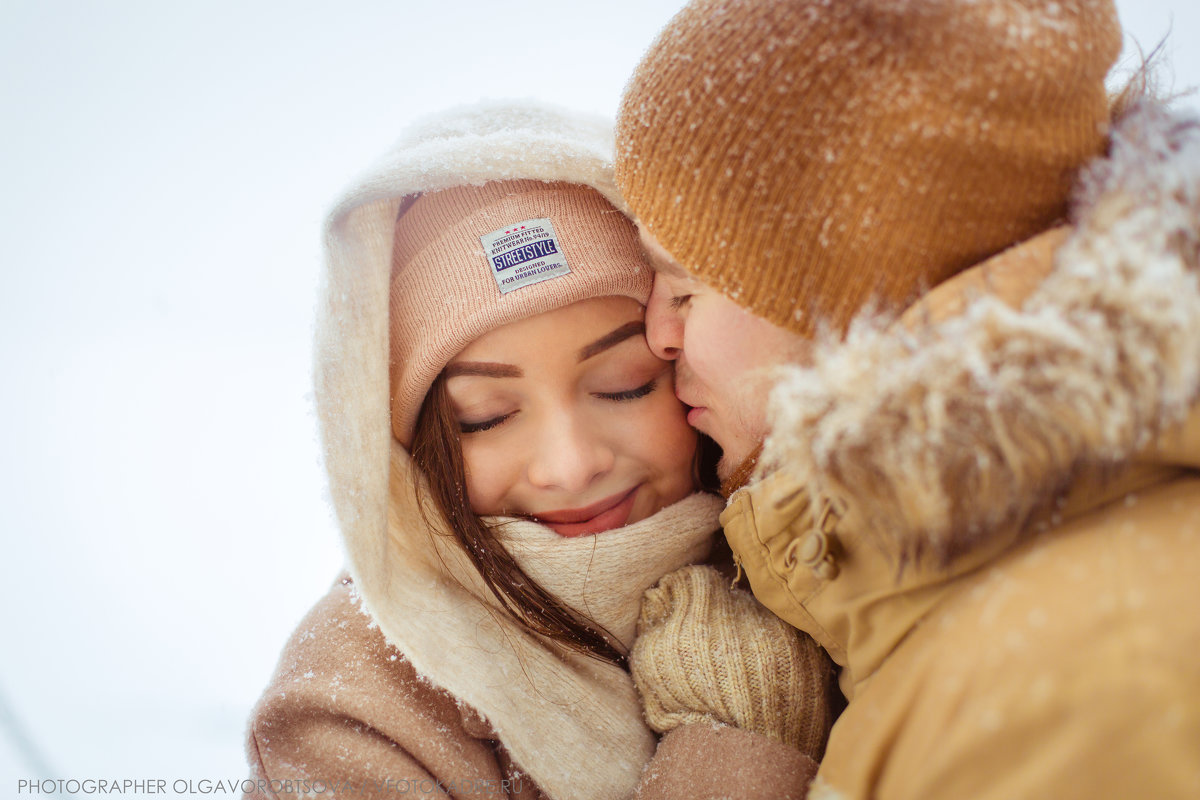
436 449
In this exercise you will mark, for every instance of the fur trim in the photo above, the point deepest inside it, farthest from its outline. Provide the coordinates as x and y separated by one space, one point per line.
946 437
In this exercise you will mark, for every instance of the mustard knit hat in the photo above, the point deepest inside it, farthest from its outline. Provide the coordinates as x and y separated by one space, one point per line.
547 245
807 157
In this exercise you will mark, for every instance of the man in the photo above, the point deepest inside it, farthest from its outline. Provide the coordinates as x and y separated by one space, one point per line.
985 508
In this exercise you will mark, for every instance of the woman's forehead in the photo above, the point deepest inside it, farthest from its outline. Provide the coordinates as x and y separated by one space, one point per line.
579 331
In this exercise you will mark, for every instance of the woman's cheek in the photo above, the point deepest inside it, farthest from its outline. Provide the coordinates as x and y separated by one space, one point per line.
665 428
670 445
486 476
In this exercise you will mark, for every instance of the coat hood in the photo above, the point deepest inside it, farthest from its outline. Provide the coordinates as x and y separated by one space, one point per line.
464 146
947 435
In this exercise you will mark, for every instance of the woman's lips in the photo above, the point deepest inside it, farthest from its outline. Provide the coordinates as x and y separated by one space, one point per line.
611 512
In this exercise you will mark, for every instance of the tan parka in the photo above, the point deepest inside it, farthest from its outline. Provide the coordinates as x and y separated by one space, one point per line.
990 516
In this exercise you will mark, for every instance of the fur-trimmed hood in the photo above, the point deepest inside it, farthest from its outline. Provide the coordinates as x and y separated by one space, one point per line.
988 511
946 436
1013 403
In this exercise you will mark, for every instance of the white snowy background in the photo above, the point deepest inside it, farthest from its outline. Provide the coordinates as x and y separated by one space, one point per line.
164 170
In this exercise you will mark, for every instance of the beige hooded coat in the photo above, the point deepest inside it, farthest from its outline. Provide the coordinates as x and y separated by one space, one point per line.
404 680
990 516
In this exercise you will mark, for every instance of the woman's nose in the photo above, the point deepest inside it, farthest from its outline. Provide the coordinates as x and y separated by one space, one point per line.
569 455
664 326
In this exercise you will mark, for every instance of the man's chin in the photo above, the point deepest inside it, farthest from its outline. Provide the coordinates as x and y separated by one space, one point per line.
726 467
735 468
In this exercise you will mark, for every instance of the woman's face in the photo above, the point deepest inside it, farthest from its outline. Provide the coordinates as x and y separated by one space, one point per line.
569 419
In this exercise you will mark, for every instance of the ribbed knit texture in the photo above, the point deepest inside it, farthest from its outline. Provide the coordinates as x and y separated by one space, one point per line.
443 293
807 157
603 576
708 653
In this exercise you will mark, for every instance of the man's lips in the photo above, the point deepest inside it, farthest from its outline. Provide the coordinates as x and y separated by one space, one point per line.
694 410
611 512
685 395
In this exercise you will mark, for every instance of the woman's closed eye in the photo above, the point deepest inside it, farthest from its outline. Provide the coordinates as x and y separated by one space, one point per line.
630 394
479 427
679 301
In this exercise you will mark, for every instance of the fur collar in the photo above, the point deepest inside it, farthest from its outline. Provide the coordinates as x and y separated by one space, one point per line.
946 436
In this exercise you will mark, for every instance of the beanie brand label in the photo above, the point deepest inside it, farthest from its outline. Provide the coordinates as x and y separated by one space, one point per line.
524 253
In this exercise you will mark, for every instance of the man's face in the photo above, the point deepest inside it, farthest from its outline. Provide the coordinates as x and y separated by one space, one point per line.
723 355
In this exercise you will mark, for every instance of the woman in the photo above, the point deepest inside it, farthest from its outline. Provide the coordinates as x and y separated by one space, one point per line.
510 478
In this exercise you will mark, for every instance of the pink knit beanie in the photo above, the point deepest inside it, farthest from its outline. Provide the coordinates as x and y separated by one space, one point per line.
473 258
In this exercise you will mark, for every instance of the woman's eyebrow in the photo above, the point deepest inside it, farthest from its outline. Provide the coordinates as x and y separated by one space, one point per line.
486 369
608 340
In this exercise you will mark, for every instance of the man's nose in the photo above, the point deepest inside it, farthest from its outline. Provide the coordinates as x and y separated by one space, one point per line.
569 455
664 325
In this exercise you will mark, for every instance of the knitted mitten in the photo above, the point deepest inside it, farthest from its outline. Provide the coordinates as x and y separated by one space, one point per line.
707 652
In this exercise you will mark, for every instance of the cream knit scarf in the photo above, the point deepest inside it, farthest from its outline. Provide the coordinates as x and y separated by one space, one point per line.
573 724
603 576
